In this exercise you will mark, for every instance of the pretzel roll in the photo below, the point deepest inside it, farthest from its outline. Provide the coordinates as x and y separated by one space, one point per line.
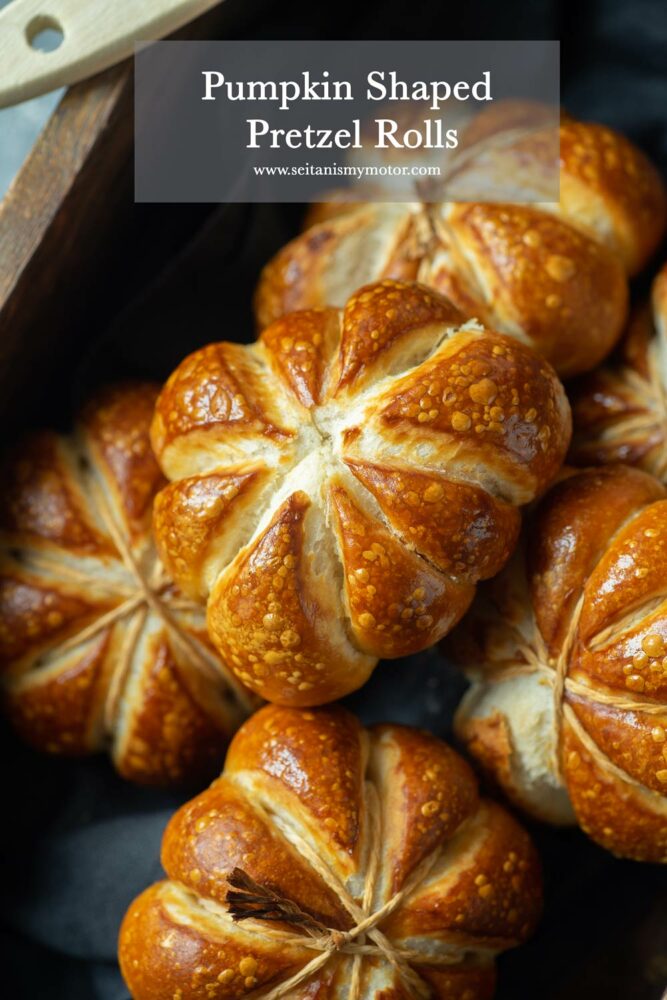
97 647
552 275
620 410
340 486
334 862
567 653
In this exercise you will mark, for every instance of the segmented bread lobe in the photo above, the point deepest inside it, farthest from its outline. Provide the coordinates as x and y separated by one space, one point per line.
87 661
610 189
308 805
566 296
588 598
370 476
553 275
620 410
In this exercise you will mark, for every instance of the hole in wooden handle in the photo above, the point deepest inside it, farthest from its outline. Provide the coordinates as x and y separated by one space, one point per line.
44 33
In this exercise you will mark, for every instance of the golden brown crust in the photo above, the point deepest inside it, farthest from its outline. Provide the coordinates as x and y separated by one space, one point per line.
221 830
588 602
287 812
605 177
625 737
489 742
612 812
237 403
378 318
545 296
412 441
555 276
488 894
324 780
188 517
165 951
620 410
558 572
302 347
458 526
42 502
396 602
170 734
427 792
267 632
87 657
495 400
627 583
38 613
62 713
114 426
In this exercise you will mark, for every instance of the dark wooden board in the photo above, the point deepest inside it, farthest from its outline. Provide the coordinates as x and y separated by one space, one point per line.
55 222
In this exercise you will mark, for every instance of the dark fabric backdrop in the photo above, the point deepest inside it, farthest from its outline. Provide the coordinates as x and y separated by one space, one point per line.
79 843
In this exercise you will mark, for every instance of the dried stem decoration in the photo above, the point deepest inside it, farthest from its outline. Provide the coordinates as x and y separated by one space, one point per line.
248 899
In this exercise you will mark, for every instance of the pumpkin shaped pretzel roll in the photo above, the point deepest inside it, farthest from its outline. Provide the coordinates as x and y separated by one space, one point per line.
333 862
555 275
98 649
340 486
567 651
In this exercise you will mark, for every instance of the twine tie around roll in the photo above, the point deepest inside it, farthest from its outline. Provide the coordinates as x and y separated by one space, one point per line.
249 900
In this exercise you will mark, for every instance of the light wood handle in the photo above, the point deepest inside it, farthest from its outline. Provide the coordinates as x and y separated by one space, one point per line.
96 34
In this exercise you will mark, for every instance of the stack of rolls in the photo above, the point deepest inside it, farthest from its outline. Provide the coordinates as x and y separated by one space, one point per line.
350 487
